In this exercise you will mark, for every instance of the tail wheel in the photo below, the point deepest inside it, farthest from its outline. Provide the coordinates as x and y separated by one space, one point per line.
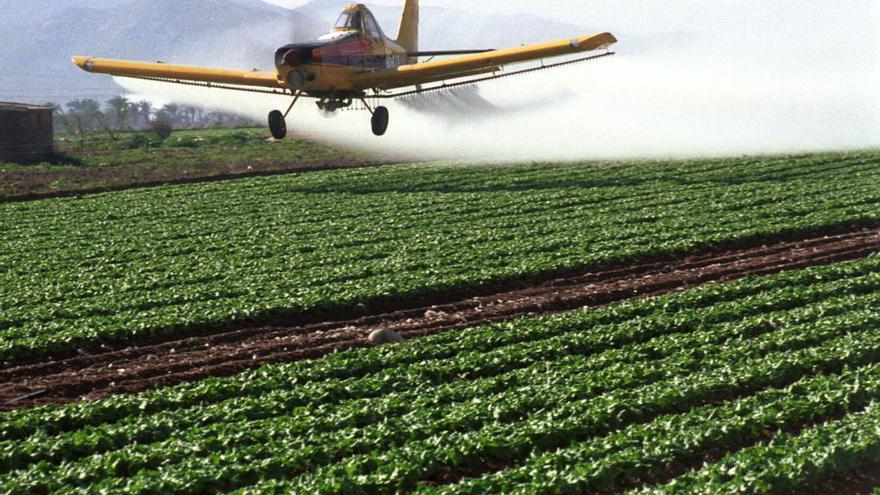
380 121
277 125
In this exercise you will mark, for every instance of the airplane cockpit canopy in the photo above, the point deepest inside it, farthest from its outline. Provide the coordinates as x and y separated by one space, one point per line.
358 18
349 20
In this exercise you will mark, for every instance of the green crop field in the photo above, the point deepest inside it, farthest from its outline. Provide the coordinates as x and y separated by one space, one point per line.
77 273
765 384
182 148
773 382
138 158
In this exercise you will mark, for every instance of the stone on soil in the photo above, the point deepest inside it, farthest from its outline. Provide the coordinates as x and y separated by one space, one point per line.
384 336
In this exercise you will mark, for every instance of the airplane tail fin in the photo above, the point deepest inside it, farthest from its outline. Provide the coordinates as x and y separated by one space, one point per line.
408 37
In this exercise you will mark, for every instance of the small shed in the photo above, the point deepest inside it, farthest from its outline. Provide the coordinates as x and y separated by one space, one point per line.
26 131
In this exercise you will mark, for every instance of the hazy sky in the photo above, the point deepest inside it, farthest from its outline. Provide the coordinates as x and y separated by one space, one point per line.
719 77
834 33
823 34
651 16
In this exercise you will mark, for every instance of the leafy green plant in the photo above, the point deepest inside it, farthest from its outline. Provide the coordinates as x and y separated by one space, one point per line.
236 138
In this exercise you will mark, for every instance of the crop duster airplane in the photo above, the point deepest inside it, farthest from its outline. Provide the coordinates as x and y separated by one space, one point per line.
356 61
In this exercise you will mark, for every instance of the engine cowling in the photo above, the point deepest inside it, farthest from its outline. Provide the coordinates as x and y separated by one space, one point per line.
292 56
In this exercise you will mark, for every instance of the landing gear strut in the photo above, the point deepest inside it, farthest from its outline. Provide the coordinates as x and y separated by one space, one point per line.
278 122
379 120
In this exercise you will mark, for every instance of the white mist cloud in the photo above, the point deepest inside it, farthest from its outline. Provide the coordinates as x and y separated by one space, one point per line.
744 77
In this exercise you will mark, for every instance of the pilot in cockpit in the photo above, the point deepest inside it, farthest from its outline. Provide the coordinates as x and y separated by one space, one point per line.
349 21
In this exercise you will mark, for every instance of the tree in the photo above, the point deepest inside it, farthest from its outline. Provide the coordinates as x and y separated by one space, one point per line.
82 117
171 112
191 114
121 107
143 109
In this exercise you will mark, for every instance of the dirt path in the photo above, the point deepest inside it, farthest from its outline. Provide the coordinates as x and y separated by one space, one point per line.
26 185
226 353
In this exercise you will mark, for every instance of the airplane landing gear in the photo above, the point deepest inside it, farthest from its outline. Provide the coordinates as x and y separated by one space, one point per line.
380 118
380 121
277 124
328 107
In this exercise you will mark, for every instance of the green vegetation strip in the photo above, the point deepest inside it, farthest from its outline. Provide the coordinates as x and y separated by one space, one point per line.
608 397
645 450
182 148
790 463
106 269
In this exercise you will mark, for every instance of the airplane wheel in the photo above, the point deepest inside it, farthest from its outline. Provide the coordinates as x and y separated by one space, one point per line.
380 121
277 125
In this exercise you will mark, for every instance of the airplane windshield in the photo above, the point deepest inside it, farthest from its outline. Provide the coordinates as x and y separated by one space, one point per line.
349 21
372 26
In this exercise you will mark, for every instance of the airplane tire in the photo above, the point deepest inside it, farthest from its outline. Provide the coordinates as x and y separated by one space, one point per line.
380 121
277 125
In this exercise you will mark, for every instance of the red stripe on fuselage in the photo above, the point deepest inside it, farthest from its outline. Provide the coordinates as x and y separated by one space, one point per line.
359 47
353 53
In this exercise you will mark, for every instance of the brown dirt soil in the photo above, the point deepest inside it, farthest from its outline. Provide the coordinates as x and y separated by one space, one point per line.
26 185
223 353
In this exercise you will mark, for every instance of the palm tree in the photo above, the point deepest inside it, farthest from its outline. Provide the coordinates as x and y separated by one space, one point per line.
120 107
82 117
143 110
191 113
171 111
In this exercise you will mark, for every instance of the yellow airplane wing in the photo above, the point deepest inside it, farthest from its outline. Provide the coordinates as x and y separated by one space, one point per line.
178 73
405 75
409 75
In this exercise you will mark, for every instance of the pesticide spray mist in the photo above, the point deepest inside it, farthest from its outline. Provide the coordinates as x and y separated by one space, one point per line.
787 83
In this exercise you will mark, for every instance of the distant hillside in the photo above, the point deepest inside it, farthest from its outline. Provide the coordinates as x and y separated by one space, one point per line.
239 33
16 13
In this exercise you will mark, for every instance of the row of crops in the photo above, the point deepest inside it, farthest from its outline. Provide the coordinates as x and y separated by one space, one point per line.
764 385
81 272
